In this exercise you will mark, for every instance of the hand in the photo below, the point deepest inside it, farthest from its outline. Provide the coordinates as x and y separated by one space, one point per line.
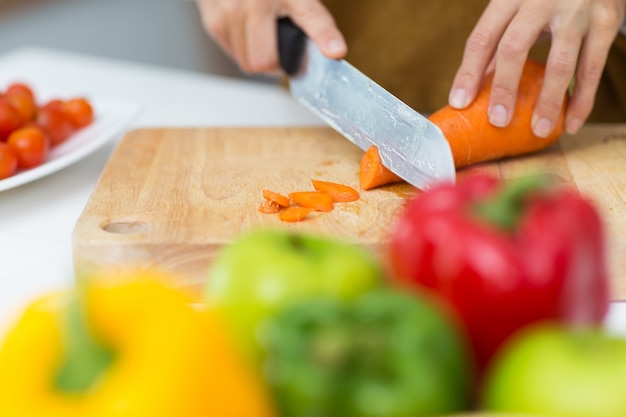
246 29
582 33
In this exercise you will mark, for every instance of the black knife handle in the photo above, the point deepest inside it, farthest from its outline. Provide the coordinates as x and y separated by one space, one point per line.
291 45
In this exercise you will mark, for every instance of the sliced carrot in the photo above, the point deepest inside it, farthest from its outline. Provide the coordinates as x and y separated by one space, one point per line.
473 138
340 193
306 201
315 200
269 207
278 198
294 214
373 173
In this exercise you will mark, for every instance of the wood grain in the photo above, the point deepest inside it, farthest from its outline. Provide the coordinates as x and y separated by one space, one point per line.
170 198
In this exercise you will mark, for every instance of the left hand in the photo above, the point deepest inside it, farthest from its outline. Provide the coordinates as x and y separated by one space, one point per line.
582 33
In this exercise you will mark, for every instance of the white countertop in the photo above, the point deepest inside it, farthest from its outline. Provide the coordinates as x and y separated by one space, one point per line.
37 219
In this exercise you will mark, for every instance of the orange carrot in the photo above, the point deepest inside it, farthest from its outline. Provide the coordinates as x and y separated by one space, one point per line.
373 173
306 201
278 198
315 200
269 207
294 214
472 138
340 193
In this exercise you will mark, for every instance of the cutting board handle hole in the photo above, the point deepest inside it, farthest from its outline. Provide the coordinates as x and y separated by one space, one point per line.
126 227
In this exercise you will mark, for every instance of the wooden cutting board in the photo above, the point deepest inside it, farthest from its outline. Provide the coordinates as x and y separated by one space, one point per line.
171 198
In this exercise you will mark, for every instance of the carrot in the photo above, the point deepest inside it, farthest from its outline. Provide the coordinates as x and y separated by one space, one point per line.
294 214
373 173
306 201
269 207
278 198
315 200
472 138
340 193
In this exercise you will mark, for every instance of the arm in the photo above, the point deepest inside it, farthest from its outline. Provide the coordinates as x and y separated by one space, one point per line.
582 34
246 29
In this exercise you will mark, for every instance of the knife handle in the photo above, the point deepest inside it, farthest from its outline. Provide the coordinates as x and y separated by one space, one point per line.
291 45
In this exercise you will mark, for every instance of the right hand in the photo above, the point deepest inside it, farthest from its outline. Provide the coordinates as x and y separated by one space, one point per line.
246 29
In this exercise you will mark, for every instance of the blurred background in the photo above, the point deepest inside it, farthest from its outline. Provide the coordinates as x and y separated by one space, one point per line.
160 32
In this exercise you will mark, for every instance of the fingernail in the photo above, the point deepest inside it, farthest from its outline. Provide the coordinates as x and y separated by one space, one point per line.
573 126
542 127
336 46
458 98
498 116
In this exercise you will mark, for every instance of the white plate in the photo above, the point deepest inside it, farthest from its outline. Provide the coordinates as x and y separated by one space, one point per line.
110 119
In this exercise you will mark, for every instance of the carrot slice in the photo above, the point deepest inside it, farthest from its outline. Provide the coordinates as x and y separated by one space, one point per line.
294 214
373 173
278 198
315 200
339 192
269 207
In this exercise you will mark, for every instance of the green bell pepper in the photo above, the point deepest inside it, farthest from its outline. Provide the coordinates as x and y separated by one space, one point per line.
387 353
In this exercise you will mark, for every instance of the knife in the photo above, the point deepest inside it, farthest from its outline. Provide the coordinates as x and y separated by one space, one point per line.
361 110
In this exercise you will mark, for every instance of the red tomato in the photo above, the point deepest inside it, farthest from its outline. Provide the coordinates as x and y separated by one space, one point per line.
24 105
31 146
8 161
20 88
78 111
56 103
10 118
54 123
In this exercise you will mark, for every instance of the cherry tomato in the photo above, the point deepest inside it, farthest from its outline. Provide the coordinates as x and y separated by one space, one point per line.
24 105
78 111
20 88
31 146
8 161
56 103
10 118
52 120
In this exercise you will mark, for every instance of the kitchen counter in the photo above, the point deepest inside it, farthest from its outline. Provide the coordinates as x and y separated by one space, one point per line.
37 219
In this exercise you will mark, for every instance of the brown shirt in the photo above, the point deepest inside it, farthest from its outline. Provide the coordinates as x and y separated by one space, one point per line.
414 47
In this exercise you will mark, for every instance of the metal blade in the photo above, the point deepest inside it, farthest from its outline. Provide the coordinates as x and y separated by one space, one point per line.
365 113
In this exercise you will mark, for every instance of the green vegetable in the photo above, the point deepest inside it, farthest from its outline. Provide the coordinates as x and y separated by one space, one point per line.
264 271
386 354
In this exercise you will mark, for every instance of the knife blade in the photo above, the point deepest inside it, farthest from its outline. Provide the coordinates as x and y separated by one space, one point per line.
365 113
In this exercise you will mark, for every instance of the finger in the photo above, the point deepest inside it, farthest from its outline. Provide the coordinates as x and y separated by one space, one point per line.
560 68
588 74
491 66
235 33
261 39
479 49
213 22
318 24
511 56
593 57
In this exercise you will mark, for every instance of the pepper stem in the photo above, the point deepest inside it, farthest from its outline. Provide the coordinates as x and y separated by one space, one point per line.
506 207
85 357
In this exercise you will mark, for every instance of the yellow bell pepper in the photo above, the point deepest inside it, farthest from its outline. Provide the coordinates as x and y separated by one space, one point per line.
168 359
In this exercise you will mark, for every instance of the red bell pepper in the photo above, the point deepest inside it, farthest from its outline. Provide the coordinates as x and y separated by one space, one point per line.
504 254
